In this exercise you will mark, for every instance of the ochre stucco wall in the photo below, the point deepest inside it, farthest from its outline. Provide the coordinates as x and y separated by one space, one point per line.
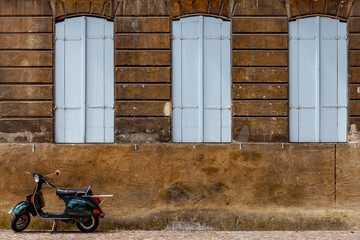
156 186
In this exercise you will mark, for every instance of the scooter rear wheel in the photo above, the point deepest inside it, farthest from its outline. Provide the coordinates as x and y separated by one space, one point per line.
88 226
20 222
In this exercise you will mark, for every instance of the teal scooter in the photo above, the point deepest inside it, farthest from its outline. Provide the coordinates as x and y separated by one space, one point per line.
82 207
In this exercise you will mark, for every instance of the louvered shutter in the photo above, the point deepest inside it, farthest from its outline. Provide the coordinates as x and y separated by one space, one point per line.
99 81
70 81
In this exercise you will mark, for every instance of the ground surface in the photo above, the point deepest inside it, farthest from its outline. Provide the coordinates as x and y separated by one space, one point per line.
200 235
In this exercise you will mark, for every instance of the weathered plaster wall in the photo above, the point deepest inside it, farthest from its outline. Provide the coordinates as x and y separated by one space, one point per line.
252 186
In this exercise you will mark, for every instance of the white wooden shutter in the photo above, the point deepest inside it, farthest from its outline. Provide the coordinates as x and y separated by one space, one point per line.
70 81
342 81
99 81
84 67
187 79
176 83
328 80
109 82
294 81
333 80
318 72
304 80
201 80
217 113
226 82
60 82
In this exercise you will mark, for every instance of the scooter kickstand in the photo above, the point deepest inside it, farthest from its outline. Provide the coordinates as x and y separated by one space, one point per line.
54 227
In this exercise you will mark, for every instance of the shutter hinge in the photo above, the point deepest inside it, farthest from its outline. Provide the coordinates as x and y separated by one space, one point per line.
335 38
182 107
101 106
219 107
104 37
183 38
301 38
334 106
67 39
222 37
302 107
225 38
67 107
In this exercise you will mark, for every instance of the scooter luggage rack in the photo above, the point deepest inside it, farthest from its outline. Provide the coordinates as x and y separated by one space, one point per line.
99 196
96 196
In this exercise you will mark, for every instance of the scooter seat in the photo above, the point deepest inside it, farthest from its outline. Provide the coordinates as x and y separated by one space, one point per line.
71 192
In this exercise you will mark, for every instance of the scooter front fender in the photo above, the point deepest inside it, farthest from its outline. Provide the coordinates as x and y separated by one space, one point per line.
23 207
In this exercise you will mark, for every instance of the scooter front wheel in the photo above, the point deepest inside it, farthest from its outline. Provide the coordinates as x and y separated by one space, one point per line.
88 226
20 222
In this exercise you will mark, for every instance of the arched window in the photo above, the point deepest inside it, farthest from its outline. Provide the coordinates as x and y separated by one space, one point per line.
201 83
318 80
84 80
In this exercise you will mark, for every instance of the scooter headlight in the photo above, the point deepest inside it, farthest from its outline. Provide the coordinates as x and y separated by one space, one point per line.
36 178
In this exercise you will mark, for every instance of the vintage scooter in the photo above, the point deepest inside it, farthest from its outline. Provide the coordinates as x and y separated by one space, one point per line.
82 207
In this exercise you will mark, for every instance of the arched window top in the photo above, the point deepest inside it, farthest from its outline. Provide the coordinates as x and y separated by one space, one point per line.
191 17
318 15
201 14
213 8
100 8
59 19
332 9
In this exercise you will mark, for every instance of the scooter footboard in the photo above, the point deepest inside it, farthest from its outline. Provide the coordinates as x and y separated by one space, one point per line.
23 207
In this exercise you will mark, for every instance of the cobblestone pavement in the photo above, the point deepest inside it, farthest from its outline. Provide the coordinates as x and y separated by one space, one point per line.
196 235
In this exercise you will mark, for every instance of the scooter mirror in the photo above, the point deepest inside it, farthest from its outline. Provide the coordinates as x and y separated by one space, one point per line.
57 172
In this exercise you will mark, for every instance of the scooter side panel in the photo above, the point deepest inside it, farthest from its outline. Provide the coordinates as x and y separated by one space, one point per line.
23 207
81 207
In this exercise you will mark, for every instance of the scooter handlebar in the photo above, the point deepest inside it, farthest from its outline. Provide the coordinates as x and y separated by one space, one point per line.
49 183
57 173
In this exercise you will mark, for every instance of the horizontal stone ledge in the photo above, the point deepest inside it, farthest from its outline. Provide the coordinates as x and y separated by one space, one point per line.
236 144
